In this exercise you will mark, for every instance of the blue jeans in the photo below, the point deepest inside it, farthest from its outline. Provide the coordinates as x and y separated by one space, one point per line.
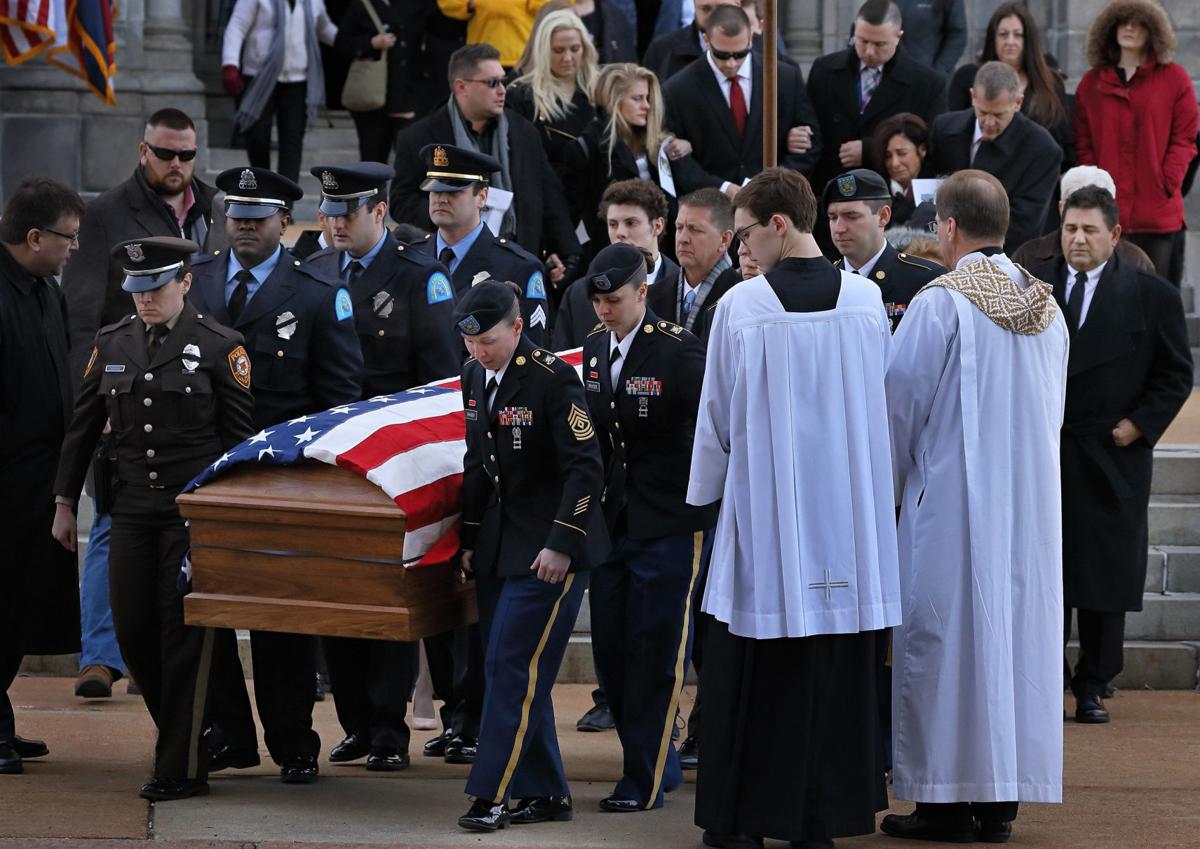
95 615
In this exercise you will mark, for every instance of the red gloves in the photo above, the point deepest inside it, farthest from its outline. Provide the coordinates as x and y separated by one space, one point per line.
232 80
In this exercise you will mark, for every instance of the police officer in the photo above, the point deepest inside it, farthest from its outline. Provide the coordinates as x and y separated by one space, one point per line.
859 207
642 379
403 309
532 527
457 182
403 300
175 384
299 329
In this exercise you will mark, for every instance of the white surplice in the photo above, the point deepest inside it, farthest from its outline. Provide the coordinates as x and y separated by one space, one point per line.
792 436
977 665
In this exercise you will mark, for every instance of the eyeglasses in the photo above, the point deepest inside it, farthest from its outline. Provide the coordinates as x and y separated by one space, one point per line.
494 82
726 55
166 154
73 238
741 234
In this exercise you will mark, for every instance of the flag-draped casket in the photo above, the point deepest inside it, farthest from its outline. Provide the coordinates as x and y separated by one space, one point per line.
342 523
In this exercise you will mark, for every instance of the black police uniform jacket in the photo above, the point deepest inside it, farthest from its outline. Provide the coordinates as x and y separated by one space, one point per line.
544 493
173 413
646 424
503 259
899 278
404 314
1130 359
299 331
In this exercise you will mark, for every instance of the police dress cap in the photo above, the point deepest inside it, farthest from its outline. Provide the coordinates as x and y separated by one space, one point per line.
344 188
256 192
615 266
450 169
152 262
483 306
859 184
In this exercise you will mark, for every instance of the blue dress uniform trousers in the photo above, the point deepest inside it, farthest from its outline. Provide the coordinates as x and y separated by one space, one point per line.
526 624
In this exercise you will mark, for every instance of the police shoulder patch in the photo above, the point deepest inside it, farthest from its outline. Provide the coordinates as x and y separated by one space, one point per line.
535 289
239 366
342 307
438 288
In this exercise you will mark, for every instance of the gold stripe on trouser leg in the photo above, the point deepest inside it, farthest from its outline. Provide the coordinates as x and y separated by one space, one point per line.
198 702
680 656
530 689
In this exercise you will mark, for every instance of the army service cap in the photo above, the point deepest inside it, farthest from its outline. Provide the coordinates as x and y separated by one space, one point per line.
483 306
152 262
345 188
615 266
451 169
859 184
256 192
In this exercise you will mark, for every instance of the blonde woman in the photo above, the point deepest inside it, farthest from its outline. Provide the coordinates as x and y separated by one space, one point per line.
558 75
627 140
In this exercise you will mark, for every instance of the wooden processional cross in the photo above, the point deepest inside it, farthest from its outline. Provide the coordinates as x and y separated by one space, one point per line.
770 153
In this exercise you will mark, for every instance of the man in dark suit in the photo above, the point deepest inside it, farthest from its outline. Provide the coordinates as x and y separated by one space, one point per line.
303 348
994 136
853 90
716 104
858 206
635 212
475 117
1129 373
673 49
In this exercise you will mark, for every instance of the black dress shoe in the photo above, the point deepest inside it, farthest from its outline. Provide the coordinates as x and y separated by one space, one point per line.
598 718
917 827
168 790
731 841
299 769
689 753
615 804
1090 710
10 761
461 750
994 832
812 844
484 816
227 757
542 809
29 749
387 761
436 748
350 749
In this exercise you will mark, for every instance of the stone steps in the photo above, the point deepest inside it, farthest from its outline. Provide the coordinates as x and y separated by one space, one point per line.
1175 520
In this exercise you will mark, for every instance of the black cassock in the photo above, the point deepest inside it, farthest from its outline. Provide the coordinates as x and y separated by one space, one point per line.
791 748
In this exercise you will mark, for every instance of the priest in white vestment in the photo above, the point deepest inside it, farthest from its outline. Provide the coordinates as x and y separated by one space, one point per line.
976 389
792 438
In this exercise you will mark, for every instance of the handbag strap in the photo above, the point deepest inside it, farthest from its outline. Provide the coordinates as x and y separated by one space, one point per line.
374 16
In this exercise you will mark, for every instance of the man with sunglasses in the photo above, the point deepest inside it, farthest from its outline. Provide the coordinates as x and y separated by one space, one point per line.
162 197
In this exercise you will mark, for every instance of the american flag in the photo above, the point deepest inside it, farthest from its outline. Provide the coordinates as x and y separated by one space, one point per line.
27 27
75 35
410 444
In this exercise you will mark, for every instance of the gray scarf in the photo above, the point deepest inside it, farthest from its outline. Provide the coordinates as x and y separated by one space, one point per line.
255 98
499 149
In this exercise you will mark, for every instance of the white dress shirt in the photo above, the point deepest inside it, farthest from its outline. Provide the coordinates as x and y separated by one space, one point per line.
865 271
1089 288
624 346
743 79
488 374
976 140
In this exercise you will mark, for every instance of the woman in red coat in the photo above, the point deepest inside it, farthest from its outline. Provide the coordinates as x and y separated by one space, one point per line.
1136 117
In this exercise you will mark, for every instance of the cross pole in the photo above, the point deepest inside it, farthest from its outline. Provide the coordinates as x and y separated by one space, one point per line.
770 152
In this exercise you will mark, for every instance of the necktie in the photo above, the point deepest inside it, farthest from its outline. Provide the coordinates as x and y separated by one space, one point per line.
868 82
1075 301
237 301
154 338
689 301
489 392
614 365
355 270
737 105
446 257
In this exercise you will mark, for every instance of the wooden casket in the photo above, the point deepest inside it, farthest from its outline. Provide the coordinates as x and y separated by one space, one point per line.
312 549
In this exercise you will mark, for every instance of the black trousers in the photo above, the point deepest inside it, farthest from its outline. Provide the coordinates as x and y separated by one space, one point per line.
702 623
10 664
285 676
377 131
372 682
455 661
287 110
985 812
1165 251
169 660
1101 650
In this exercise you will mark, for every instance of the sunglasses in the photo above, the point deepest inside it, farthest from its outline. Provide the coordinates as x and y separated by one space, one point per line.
166 154
725 56
494 82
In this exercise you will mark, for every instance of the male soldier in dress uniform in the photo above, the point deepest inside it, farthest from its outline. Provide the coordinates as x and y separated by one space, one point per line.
465 244
299 329
532 527
404 309
859 207
176 386
642 379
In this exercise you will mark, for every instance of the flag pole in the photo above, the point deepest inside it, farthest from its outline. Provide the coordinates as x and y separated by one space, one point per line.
770 153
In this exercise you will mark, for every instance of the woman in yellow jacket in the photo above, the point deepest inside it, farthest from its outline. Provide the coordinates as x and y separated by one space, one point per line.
504 24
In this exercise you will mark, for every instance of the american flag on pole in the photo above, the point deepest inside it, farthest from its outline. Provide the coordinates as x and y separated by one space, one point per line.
27 27
409 444
74 35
